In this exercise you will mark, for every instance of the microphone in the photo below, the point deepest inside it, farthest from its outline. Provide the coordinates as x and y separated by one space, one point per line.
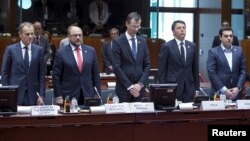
203 92
98 95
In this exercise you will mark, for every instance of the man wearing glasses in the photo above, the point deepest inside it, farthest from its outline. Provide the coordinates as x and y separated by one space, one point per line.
75 70
131 63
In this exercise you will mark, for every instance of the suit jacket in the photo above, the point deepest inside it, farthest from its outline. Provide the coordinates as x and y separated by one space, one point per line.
44 42
39 11
217 42
172 70
127 70
13 72
107 56
68 80
218 68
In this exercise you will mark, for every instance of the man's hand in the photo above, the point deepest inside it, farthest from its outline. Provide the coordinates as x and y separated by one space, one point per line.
135 91
40 101
229 94
235 91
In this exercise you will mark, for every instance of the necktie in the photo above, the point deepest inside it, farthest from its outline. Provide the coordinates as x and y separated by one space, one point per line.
37 40
26 58
182 52
79 58
133 47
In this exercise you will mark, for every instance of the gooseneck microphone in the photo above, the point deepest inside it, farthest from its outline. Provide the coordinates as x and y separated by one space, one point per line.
98 95
203 91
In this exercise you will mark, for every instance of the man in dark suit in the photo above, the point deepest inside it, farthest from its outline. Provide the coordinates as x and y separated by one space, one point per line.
44 10
72 11
226 66
217 42
106 51
23 65
75 70
41 40
178 63
131 62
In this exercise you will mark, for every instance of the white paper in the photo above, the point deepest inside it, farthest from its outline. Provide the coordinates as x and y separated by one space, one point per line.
23 109
97 109
186 106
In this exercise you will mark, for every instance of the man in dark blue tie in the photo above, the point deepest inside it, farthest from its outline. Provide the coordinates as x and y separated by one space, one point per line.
226 66
23 65
178 63
131 61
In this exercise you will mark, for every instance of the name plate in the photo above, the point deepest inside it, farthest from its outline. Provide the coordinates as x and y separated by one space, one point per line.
44 110
142 107
212 105
117 108
243 104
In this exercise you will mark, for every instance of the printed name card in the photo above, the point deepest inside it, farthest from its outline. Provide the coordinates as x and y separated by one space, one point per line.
243 104
44 110
212 105
142 107
117 108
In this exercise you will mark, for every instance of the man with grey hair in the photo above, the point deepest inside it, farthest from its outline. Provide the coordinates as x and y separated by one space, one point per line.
23 65
75 71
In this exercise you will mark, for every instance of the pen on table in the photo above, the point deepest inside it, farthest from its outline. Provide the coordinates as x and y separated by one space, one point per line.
40 97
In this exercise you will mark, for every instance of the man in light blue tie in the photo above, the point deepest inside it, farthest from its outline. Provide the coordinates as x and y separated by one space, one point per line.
226 66
131 61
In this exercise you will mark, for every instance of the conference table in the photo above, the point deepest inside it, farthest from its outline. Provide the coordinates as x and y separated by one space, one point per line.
155 126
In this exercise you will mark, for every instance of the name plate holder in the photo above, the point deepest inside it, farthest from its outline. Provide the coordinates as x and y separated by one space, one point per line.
117 108
212 105
243 104
44 110
142 107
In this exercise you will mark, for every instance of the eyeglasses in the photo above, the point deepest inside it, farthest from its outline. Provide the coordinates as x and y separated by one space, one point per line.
75 35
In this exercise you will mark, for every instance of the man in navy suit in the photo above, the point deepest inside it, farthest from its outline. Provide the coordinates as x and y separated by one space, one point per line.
177 65
106 51
226 66
131 62
75 70
23 65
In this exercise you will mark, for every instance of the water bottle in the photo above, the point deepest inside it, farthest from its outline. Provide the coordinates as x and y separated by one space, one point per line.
74 105
115 99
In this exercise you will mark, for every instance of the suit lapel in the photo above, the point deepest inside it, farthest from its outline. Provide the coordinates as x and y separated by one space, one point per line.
139 49
85 56
189 49
19 51
70 55
33 55
125 43
234 56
